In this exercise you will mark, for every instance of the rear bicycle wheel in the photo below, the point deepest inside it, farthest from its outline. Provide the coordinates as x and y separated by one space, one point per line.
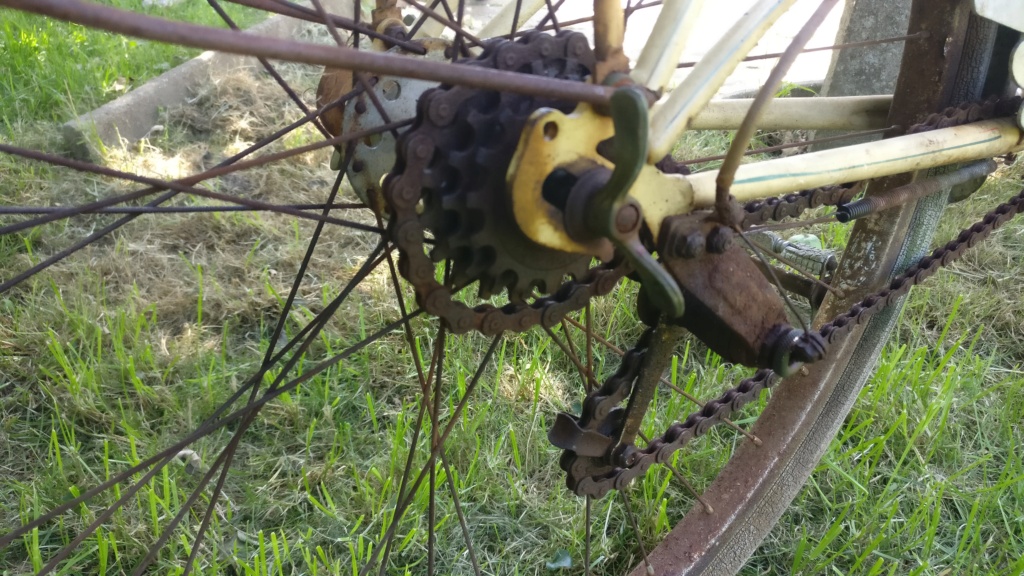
381 506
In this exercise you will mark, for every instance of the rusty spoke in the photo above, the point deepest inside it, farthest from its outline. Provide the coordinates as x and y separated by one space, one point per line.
542 27
741 140
404 503
454 26
636 529
864 43
304 13
161 30
460 48
423 16
773 277
619 352
586 542
269 68
177 186
235 163
588 379
36 210
682 480
589 316
211 424
515 19
551 14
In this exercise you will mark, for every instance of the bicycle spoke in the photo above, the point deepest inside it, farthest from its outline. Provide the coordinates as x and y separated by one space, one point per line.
216 421
204 209
861 44
462 519
227 166
550 16
157 29
423 17
741 140
636 529
589 329
774 278
586 541
303 13
454 26
682 480
269 68
176 186
620 353
456 414
588 378
515 19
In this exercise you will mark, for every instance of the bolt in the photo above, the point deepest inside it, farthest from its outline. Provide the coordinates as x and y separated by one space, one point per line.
360 107
719 239
358 165
690 246
627 219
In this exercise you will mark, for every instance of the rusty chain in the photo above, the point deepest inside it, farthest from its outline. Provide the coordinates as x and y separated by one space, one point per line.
425 162
463 138
595 476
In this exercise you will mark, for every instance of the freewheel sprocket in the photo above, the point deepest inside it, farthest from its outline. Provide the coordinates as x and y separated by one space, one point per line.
450 181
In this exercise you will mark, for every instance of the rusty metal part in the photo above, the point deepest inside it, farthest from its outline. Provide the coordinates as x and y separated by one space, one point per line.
914 191
374 157
663 344
334 82
994 107
307 14
595 477
161 30
792 205
593 473
927 69
724 203
450 180
730 305
609 35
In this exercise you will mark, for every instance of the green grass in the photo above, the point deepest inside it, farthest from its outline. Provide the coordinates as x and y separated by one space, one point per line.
123 348
54 71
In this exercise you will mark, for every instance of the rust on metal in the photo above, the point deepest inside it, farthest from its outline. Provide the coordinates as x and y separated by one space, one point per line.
161 30
730 305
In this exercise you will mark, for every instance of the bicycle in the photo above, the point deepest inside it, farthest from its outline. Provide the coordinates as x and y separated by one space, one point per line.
567 192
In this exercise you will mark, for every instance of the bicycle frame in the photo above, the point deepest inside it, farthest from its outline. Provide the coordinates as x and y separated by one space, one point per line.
687 107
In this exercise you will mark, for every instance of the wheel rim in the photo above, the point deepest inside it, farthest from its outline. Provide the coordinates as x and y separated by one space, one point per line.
430 362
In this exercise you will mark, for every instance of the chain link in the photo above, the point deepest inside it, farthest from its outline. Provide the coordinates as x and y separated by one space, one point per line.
594 477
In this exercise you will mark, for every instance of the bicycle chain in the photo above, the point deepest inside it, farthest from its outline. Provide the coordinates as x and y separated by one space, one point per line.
424 164
594 477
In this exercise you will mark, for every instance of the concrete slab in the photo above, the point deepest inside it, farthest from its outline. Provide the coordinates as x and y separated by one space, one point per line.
133 115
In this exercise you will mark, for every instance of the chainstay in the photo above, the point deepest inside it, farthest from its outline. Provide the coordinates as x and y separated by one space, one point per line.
676 436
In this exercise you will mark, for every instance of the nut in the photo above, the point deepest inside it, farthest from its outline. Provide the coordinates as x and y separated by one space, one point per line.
719 239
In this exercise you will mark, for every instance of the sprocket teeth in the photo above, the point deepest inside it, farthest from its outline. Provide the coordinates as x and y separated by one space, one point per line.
463 204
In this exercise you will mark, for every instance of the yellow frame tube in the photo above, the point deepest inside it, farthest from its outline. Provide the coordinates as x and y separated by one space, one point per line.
672 117
664 47
865 161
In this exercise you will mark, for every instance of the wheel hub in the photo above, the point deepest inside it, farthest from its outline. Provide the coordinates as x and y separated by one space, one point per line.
449 182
